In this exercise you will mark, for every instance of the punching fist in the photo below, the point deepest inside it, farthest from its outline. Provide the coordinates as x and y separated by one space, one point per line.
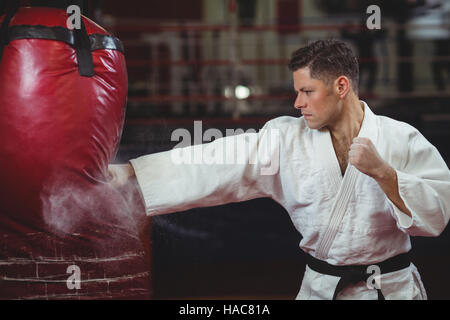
120 175
364 156
123 178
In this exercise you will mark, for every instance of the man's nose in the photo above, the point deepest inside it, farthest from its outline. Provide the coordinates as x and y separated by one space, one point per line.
299 102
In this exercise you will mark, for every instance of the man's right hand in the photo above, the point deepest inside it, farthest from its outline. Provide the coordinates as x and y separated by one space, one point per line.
123 178
121 175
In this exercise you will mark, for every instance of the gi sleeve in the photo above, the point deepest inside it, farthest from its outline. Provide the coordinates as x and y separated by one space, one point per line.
424 186
230 169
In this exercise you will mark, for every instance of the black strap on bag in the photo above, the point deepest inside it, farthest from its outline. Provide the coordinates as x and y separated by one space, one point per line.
10 7
83 50
97 41
357 273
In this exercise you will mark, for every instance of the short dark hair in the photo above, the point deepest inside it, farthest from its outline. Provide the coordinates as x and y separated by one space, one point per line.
327 60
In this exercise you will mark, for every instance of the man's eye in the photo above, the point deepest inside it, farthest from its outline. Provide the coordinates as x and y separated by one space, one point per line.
307 92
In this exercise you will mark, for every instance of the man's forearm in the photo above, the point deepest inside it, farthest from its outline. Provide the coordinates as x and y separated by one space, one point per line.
388 181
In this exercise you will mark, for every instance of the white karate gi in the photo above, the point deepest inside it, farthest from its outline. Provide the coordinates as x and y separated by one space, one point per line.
343 220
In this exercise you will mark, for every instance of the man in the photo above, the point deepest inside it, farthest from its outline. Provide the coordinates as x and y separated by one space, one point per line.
355 185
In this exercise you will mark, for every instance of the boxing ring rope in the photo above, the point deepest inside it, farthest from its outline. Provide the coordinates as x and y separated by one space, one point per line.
126 25
206 98
282 62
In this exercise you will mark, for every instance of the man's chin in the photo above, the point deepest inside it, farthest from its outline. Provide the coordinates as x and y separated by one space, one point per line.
314 126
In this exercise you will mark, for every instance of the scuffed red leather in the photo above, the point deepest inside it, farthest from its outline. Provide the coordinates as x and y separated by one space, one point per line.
58 132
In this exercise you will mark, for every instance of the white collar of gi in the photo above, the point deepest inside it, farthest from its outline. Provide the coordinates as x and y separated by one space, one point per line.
368 126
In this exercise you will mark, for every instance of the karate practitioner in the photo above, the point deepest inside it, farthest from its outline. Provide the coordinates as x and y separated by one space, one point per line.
356 185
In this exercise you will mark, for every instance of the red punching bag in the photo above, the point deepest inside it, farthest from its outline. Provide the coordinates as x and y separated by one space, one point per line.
64 233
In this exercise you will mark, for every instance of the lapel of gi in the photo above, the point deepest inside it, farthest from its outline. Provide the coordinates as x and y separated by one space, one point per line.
342 187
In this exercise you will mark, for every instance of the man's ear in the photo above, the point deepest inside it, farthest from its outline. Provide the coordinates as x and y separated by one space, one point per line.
342 86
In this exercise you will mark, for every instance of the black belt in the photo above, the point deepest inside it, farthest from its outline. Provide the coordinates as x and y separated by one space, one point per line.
357 273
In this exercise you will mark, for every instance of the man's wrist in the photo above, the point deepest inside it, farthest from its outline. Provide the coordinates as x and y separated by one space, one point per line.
130 171
384 173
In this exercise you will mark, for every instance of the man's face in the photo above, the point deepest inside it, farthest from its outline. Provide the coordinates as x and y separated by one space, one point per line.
318 102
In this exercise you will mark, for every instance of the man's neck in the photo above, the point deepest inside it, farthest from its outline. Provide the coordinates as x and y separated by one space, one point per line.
348 124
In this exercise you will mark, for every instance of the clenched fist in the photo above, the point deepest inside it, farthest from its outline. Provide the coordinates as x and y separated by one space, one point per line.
120 175
123 178
364 156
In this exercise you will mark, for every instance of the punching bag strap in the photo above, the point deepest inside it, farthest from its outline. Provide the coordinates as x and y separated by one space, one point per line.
11 8
83 50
